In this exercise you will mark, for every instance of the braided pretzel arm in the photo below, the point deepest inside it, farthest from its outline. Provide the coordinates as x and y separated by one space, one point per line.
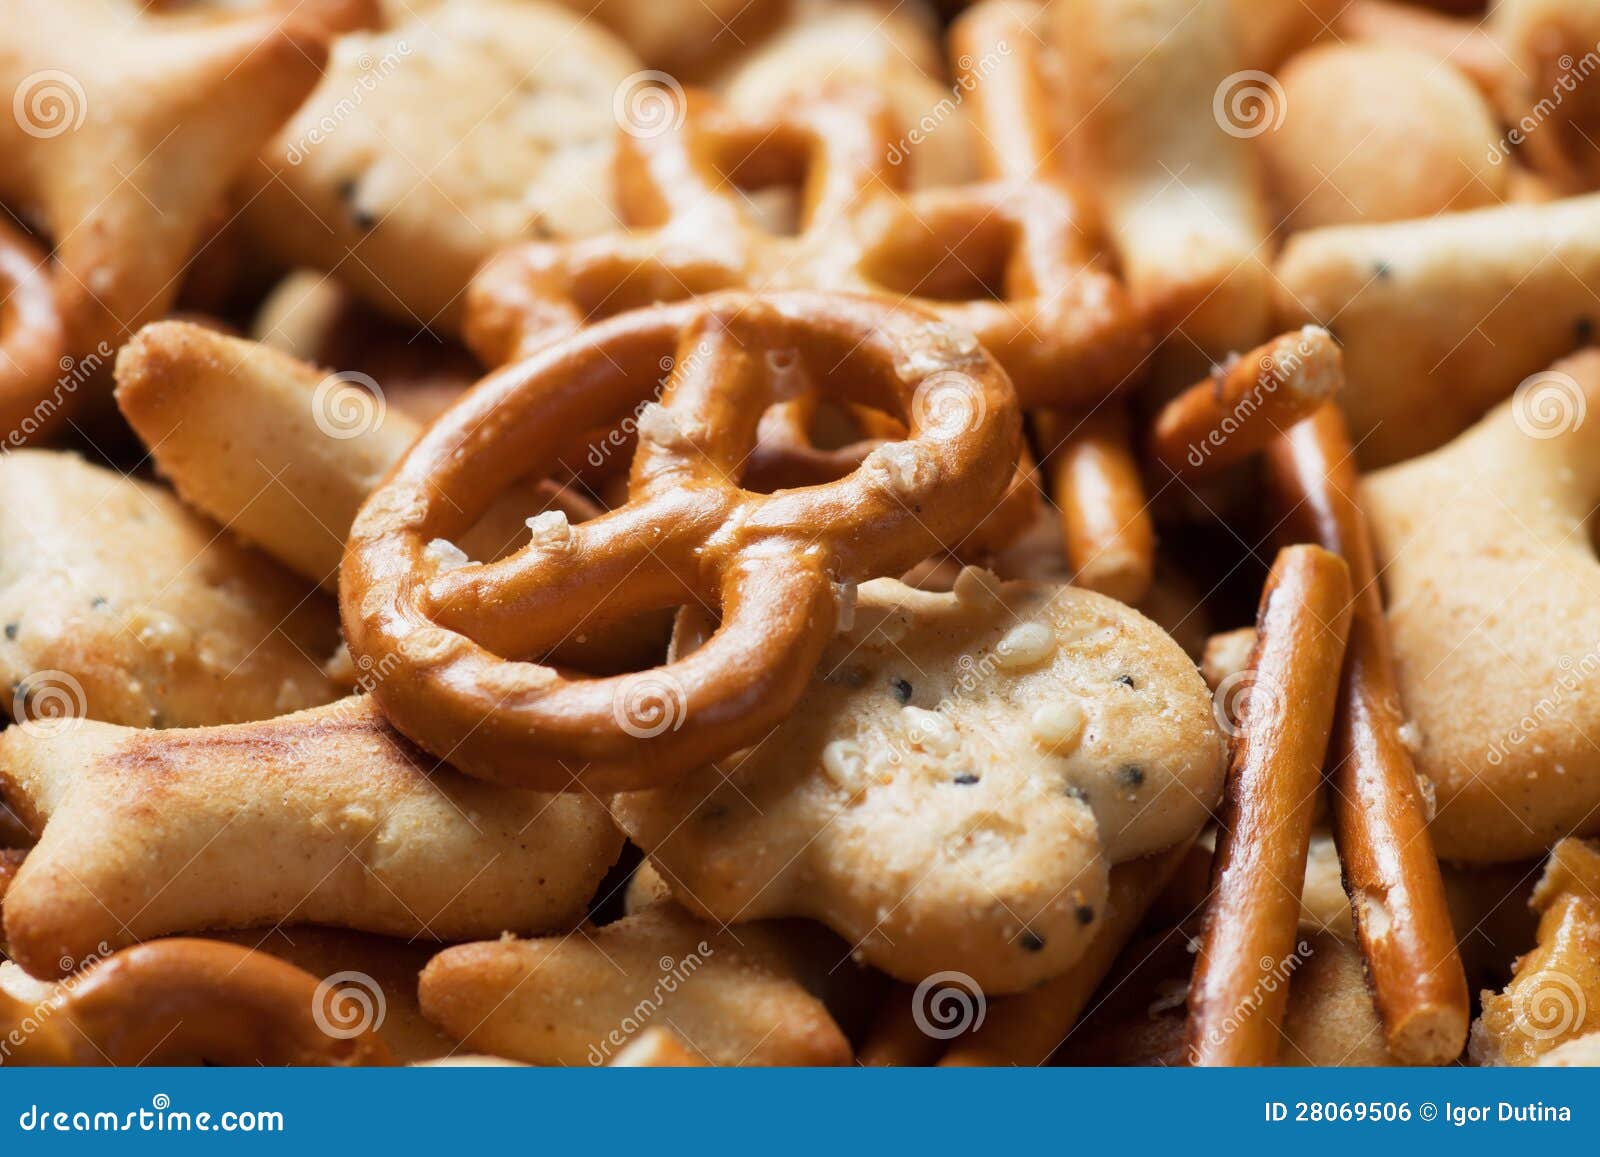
180 1001
32 336
453 639
1237 996
1379 819
688 235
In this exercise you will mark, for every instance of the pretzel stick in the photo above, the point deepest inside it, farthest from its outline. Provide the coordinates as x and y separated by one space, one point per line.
1379 818
1246 403
1239 990
1109 538
896 1040
1026 1029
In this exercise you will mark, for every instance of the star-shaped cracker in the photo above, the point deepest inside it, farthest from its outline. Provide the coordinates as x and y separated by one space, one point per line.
126 130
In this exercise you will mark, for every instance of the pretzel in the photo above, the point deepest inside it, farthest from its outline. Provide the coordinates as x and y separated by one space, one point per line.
1396 294
1026 1029
1106 527
1246 403
1380 818
284 454
1493 590
688 532
325 816
1554 996
1265 825
173 1002
1001 260
1144 78
124 185
1109 539
32 337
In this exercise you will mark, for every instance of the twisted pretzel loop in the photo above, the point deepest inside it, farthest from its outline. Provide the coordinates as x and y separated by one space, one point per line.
181 1000
1011 261
453 639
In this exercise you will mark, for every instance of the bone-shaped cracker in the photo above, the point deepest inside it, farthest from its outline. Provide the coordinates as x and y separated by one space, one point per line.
1494 614
327 816
118 603
730 994
957 781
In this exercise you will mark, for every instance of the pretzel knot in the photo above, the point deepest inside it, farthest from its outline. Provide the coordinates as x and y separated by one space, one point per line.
1008 260
455 638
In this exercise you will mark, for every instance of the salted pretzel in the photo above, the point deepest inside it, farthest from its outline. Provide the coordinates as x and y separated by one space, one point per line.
1235 1010
1380 817
778 566
183 1001
1008 259
32 337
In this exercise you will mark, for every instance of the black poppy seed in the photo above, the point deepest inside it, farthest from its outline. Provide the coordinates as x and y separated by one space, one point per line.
1077 793
1130 776
966 778
98 603
11 630
1031 941
1085 914
1125 680
1382 270
902 690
